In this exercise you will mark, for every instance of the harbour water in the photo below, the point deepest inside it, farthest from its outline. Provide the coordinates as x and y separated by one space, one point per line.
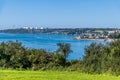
49 41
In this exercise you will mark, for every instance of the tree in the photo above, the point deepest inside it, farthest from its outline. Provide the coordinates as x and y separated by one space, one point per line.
65 49
93 57
105 33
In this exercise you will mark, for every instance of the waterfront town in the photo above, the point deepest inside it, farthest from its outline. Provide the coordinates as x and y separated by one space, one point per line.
100 34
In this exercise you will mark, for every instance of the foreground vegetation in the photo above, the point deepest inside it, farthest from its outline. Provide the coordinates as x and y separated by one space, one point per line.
98 58
51 75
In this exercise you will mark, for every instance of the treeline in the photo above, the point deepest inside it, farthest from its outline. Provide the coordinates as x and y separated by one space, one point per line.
98 58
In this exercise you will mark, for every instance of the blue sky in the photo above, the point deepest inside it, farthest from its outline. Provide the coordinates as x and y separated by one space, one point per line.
60 13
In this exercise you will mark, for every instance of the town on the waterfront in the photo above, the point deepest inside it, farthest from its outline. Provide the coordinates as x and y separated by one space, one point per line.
99 34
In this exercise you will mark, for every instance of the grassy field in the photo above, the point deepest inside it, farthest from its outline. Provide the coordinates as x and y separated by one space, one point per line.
51 75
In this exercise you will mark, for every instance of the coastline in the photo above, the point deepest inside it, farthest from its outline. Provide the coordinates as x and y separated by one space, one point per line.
101 40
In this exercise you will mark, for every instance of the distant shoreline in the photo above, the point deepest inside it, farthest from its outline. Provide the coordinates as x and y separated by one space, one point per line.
101 40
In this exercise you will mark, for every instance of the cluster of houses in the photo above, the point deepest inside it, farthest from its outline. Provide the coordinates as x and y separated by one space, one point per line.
96 35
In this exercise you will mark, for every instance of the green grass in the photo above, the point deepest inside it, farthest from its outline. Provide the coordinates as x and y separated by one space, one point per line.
51 75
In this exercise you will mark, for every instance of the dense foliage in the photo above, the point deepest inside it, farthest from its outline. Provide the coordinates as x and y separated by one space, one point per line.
98 58
14 55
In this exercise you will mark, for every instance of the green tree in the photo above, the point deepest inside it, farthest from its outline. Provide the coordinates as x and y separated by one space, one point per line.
92 60
105 33
64 49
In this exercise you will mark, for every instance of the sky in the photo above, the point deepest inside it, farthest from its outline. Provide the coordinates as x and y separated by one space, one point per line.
60 13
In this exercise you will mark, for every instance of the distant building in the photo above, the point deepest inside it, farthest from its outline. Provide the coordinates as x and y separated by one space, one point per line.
25 27
110 32
36 27
33 28
30 27
41 28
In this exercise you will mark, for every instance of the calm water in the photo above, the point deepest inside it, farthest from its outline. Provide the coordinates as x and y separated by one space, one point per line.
48 42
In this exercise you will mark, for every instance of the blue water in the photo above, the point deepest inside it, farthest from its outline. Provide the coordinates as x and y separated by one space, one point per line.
48 42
